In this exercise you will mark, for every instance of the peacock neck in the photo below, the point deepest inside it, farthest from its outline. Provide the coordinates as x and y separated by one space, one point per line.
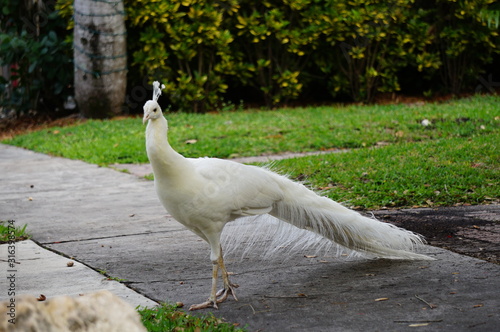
166 162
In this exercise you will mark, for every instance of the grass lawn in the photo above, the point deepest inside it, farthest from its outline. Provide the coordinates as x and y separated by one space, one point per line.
253 133
441 172
168 318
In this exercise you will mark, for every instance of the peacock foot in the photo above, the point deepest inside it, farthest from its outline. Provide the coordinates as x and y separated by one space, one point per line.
204 305
220 296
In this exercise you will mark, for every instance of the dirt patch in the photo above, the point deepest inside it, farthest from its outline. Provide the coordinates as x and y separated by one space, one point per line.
10 127
467 230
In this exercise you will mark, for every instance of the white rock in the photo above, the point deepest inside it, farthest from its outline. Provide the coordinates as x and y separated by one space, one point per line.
101 311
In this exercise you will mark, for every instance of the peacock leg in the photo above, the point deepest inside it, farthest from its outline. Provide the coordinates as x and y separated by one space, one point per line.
229 287
212 300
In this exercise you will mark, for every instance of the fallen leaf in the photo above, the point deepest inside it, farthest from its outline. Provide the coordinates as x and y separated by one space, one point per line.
381 299
191 141
55 132
301 295
310 256
41 297
179 304
478 305
399 133
418 325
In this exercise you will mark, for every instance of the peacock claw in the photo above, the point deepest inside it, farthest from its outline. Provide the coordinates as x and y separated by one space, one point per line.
224 293
220 297
204 305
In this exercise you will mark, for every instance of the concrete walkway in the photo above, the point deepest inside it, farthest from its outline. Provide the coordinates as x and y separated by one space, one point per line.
111 221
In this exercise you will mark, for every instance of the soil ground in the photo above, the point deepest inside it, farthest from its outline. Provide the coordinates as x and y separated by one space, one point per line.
467 230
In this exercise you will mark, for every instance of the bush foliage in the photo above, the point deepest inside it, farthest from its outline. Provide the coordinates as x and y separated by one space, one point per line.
279 47
273 51
33 49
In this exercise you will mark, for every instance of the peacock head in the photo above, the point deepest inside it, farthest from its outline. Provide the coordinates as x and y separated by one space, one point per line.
152 109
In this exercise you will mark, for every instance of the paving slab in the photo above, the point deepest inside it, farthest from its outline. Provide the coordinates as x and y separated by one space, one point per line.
112 221
38 271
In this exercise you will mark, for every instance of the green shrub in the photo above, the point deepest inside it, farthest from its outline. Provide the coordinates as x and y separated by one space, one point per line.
367 45
186 45
40 60
465 42
277 38
198 48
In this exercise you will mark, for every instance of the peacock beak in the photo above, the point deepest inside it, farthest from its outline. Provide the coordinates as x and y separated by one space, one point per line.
145 118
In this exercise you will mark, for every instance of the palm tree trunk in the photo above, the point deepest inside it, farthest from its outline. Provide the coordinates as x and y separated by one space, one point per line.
100 57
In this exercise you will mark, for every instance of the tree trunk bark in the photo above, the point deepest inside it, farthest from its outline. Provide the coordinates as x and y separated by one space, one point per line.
100 57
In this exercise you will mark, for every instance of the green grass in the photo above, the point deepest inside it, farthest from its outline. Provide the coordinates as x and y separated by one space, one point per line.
443 172
251 133
168 318
9 232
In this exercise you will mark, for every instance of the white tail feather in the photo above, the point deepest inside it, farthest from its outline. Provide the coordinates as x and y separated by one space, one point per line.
327 219
269 238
